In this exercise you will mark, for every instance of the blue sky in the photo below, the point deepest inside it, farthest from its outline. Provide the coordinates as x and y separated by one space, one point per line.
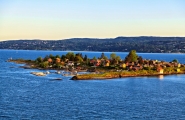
60 19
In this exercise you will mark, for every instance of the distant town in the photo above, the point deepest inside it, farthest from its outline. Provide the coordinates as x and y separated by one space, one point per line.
119 44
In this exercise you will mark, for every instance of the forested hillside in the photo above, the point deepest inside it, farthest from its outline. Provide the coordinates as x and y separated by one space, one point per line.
119 44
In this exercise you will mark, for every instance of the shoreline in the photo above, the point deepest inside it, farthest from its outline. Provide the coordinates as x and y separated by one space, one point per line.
86 77
103 73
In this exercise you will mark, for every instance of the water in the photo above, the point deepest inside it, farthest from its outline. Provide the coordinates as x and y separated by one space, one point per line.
25 96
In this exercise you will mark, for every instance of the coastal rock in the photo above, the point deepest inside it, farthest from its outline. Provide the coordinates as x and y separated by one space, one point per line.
74 78
38 73
58 79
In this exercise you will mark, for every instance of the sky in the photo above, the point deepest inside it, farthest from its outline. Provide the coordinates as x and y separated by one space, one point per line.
62 19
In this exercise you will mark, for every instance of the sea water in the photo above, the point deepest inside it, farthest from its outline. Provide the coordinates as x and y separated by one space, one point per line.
25 96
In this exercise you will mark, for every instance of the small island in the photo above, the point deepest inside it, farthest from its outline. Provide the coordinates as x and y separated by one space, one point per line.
102 67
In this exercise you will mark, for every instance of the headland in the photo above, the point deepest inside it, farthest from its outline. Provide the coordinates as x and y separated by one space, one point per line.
102 67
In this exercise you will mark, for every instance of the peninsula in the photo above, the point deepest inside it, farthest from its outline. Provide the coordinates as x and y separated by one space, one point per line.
104 68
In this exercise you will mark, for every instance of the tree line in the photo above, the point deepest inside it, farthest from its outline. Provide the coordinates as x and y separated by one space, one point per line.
58 61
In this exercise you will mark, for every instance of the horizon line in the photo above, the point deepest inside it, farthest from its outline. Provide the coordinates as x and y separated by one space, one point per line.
89 38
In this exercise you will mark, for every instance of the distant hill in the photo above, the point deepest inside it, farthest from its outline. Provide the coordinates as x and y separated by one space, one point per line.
119 44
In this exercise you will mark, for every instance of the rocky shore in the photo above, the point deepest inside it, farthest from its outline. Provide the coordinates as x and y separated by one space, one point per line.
38 73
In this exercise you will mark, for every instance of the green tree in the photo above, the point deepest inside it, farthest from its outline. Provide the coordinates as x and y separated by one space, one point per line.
38 60
112 56
85 58
57 56
175 61
46 58
78 59
105 58
63 57
44 64
94 58
70 56
51 56
117 58
131 57
102 55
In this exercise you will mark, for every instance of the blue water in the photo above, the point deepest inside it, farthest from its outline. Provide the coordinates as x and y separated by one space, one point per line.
25 96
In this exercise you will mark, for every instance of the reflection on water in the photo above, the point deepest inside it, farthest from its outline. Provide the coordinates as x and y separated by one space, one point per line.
161 77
